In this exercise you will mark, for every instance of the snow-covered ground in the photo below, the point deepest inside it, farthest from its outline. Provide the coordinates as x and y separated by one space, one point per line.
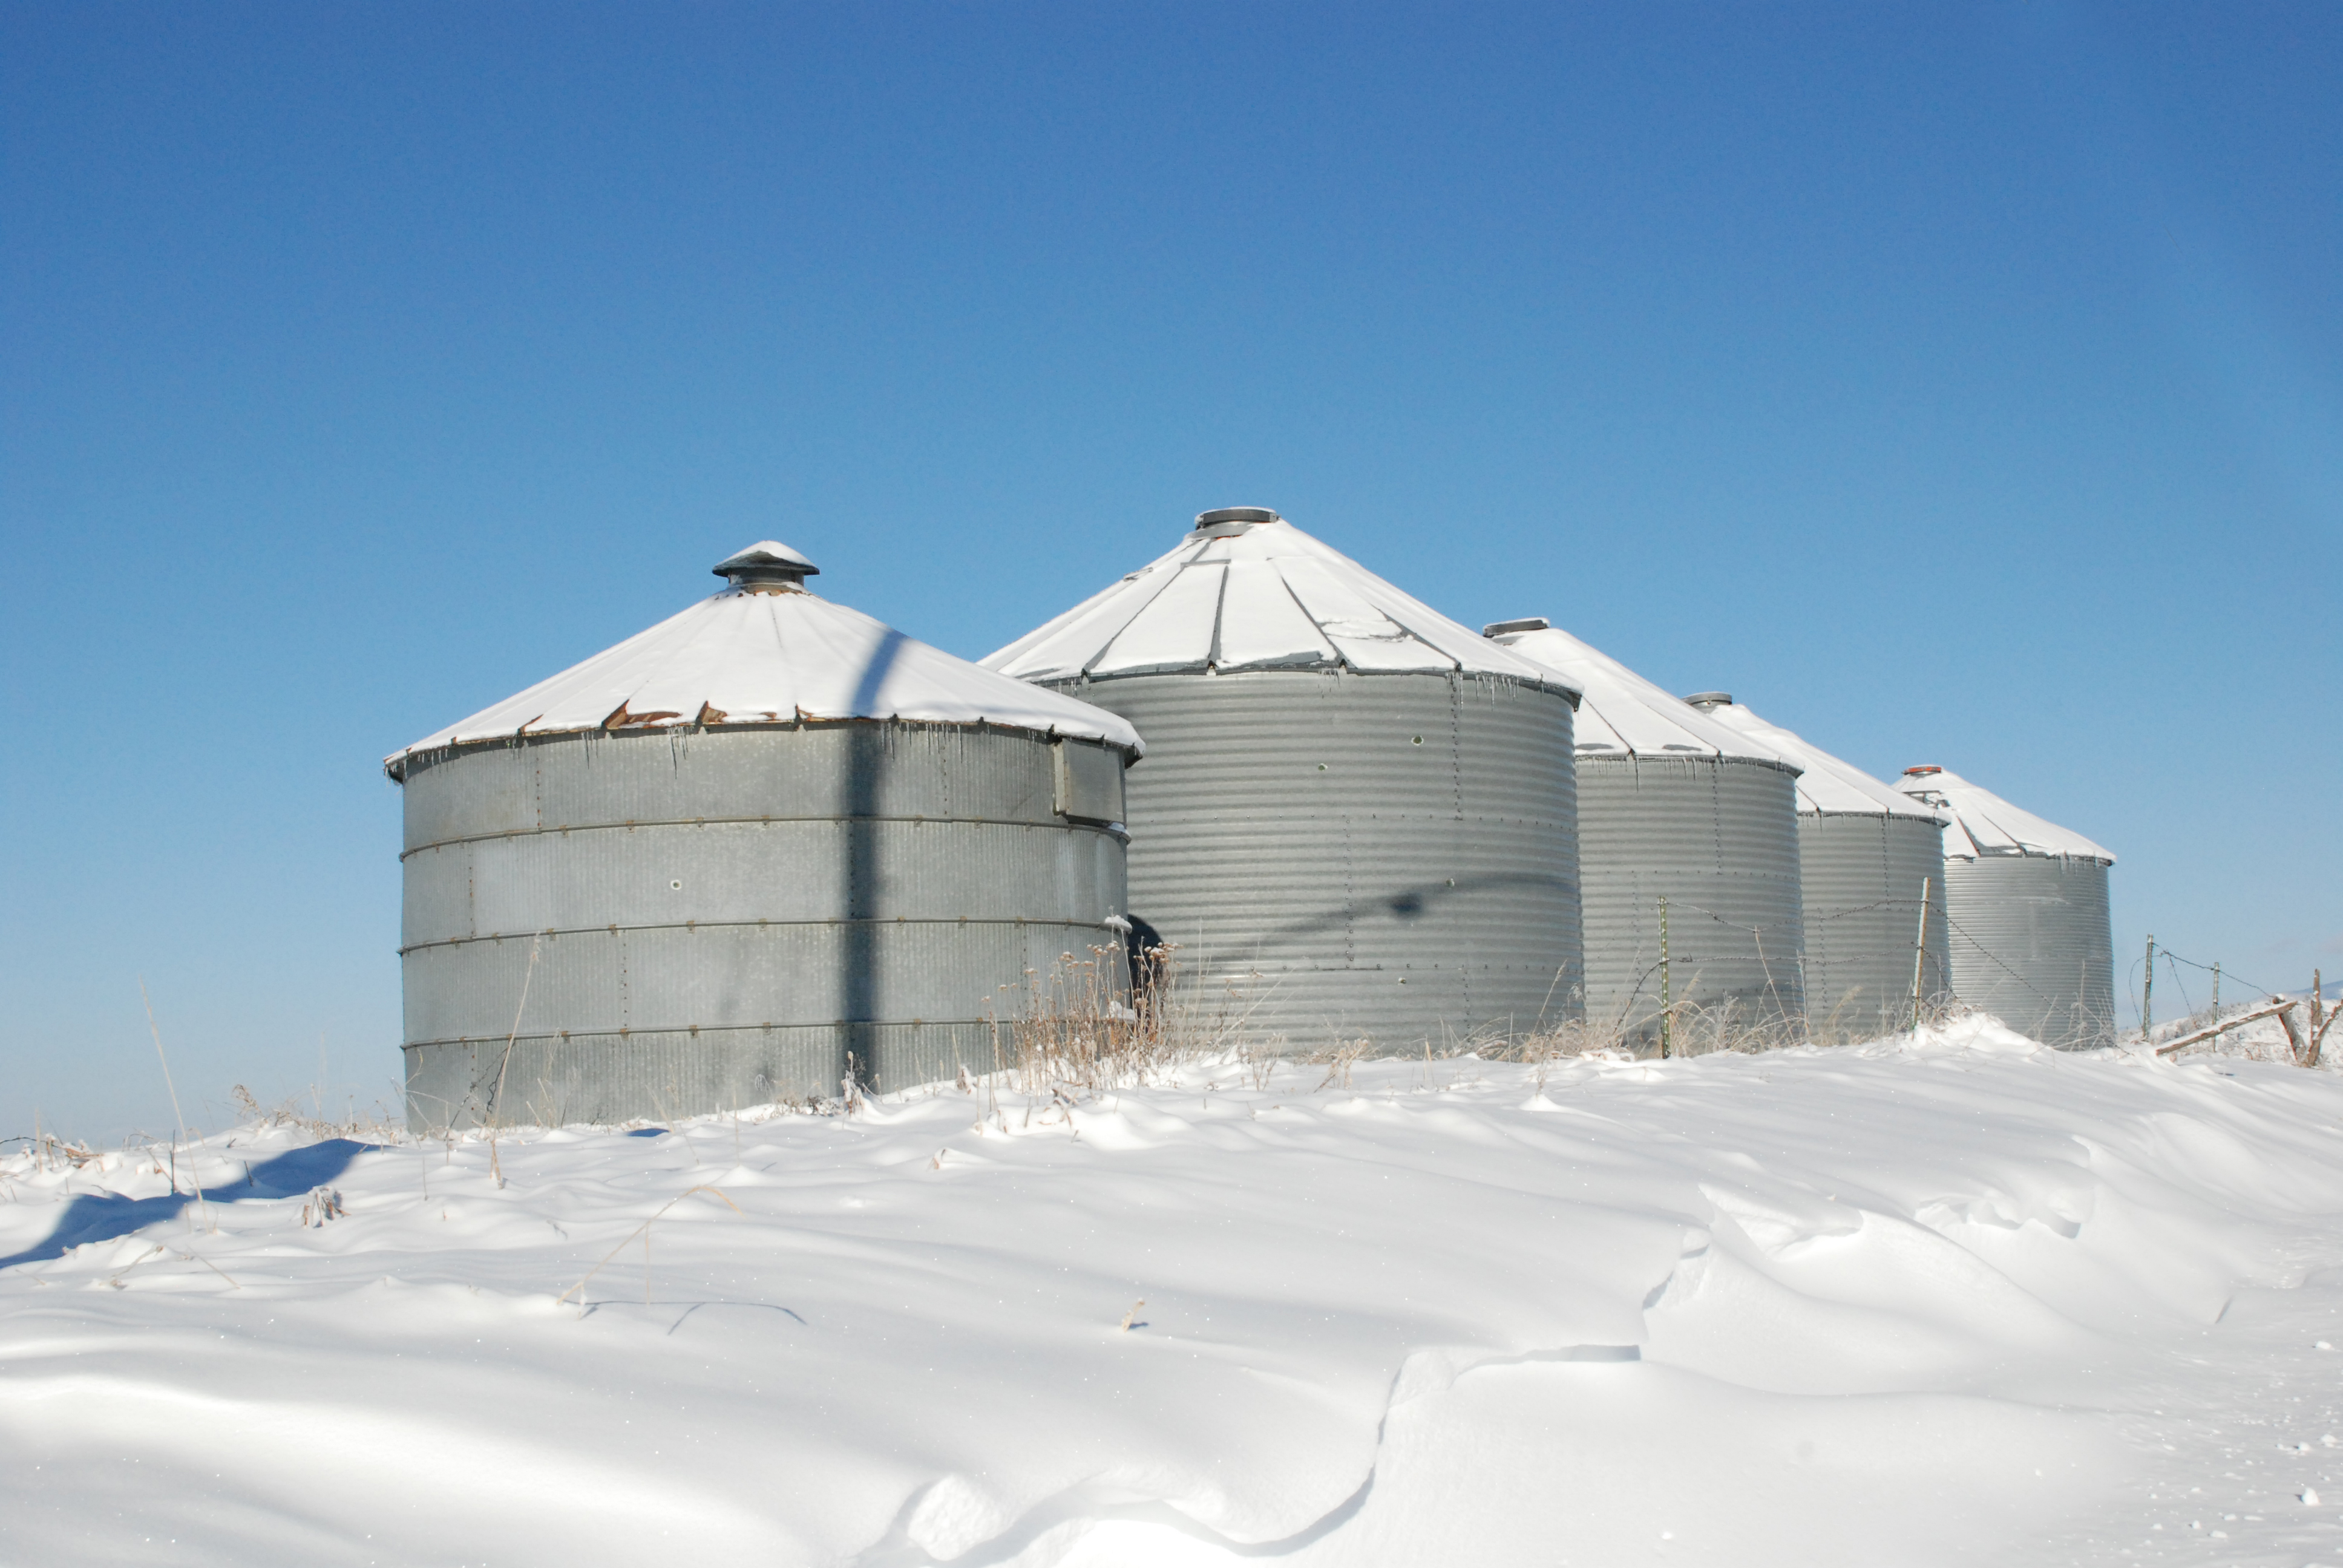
1936 1300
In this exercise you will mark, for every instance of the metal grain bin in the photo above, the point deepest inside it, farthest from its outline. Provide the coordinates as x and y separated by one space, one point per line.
709 867
1867 857
1673 807
2027 904
1347 795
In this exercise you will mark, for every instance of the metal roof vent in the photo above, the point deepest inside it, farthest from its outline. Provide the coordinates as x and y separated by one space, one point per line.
767 567
1705 701
1510 627
1224 520
1922 793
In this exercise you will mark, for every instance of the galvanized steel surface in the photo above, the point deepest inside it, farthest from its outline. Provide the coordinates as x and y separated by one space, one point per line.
1861 877
1717 839
720 918
2030 944
1394 855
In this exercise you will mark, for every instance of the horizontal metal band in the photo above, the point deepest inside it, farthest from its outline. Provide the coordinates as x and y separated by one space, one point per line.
397 767
1621 758
1323 669
1054 823
563 1037
747 925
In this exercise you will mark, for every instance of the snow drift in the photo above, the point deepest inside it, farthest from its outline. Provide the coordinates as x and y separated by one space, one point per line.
1948 1298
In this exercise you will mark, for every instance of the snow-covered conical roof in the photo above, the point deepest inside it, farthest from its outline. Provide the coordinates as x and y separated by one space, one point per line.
1827 785
1622 714
1248 590
767 650
1983 823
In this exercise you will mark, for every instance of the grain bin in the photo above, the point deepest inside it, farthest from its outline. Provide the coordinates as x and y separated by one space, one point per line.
1682 819
1868 856
2027 904
1356 816
706 867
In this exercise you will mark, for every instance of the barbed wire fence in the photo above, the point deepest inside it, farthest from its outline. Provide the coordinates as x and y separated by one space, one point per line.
1911 1007
1679 1005
2303 1046
1774 1015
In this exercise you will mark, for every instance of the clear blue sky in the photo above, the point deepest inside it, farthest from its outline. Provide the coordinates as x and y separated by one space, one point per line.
1959 385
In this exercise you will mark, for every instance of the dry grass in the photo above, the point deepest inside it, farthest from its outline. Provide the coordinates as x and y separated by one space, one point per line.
1338 1059
367 1127
1693 1030
1078 1027
1856 1017
1730 1026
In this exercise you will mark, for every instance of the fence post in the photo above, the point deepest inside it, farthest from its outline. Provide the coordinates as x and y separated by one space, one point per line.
1920 952
2318 1015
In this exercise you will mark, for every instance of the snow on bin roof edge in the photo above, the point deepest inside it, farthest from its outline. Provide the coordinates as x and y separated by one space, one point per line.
1984 824
767 650
1622 714
1829 786
1247 590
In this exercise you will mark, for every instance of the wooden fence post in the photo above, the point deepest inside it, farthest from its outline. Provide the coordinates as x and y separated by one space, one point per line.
1920 952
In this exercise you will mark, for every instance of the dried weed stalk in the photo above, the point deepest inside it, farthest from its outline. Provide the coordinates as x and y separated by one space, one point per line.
1080 1027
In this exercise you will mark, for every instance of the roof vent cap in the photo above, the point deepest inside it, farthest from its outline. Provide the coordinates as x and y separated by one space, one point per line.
1705 701
1509 627
1225 520
767 567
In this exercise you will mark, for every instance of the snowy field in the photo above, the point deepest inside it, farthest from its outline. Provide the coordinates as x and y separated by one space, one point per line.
1949 1298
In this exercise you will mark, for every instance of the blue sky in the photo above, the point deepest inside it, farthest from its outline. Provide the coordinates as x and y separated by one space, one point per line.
1954 385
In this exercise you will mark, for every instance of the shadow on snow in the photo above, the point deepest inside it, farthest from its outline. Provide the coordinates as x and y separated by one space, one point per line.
103 1216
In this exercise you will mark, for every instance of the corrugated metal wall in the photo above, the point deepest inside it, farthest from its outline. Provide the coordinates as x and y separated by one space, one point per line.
1394 854
2031 945
719 916
1860 879
1719 841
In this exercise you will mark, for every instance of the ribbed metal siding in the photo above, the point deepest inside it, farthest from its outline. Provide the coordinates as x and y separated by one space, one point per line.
2031 945
1860 879
721 917
1394 854
1719 841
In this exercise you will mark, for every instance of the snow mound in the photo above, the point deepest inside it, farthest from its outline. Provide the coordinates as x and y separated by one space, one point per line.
1974 1033
1946 1297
